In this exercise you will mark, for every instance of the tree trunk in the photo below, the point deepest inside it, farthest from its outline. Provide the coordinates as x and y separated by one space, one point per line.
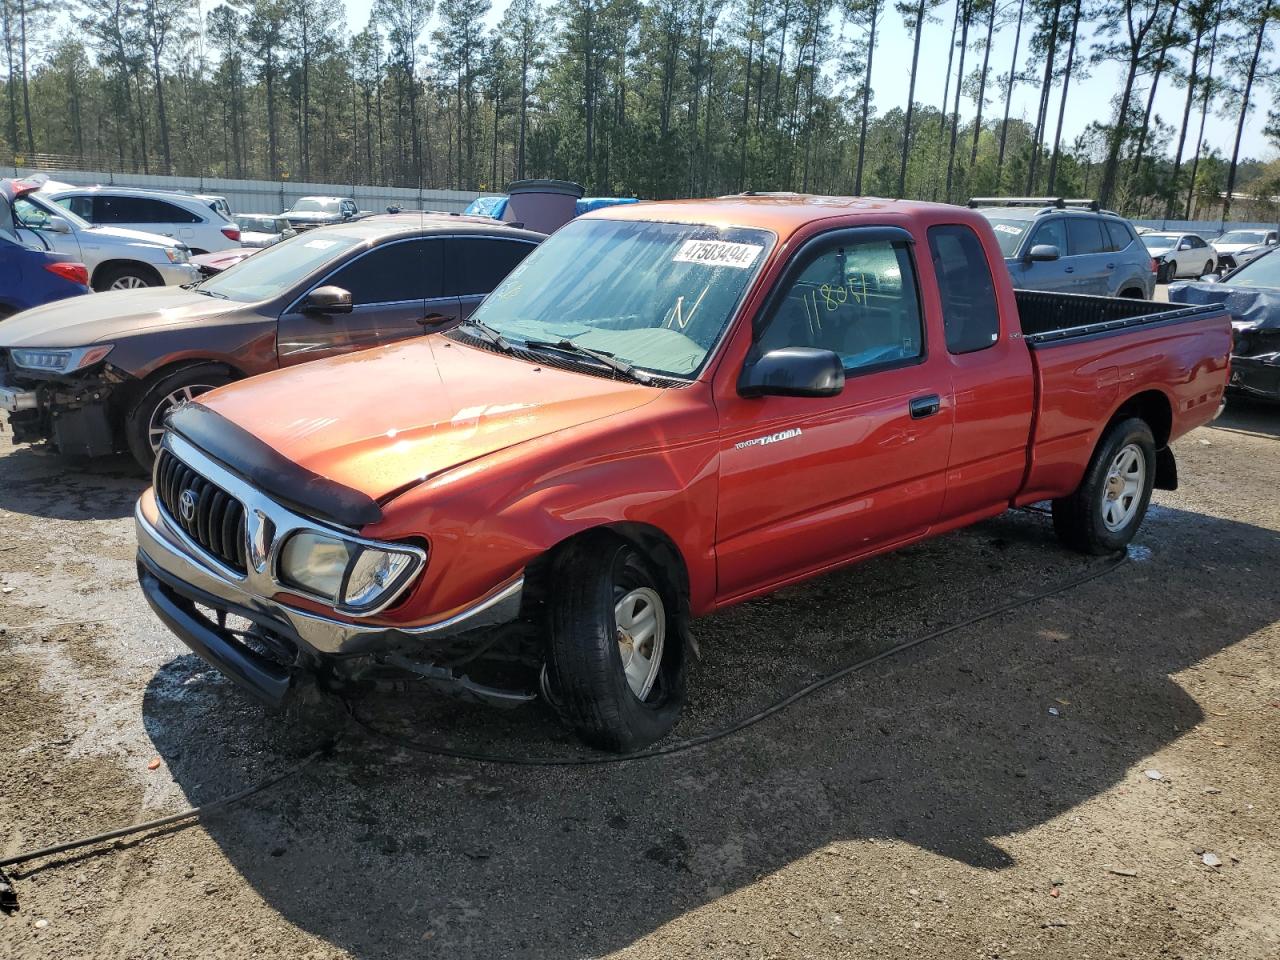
955 110
911 94
164 119
946 95
982 88
1186 120
26 92
1008 97
1244 107
1117 135
1046 88
1062 104
1151 98
866 103
524 102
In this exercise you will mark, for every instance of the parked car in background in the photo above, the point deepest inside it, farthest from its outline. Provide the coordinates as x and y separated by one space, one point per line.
32 275
1068 246
210 263
1178 255
667 409
176 215
216 203
1251 294
263 229
101 376
311 212
116 258
1235 248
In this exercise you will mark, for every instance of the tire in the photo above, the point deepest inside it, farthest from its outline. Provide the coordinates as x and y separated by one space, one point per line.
1208 269
1106 510
144 423
1170 272
604 585
127 277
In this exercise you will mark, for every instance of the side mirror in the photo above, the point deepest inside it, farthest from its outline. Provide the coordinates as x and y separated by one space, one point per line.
56 224
1185 245
1210 278
327 300
288 232
1043 253
793 372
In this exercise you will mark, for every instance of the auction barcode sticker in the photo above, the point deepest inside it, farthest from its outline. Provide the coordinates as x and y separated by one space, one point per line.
718 253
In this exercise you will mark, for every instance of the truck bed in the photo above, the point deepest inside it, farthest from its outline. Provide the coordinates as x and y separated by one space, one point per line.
1089 354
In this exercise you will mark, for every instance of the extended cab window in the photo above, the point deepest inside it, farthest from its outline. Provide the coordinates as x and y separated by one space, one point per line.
856 299
968 294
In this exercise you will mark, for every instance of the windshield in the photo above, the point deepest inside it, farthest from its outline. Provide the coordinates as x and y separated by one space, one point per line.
1156 242
315 205
655 295
1009 233
35 214
277 268
1243 236
260 224
1263 272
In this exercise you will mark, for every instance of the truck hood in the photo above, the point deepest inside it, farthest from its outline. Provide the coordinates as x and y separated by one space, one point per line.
383 420
105 316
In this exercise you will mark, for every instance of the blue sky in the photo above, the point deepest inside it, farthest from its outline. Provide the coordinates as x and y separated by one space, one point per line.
1090 98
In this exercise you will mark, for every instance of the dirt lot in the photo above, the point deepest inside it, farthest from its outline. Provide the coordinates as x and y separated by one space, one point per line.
990 794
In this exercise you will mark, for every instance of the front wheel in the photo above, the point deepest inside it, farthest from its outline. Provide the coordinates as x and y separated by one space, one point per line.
1106 510
615 665
1170 272
144 425
1208 269
127 277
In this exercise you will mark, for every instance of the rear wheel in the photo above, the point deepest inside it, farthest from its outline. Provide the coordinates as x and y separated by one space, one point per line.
1170 271
615 667
144 425
1106 510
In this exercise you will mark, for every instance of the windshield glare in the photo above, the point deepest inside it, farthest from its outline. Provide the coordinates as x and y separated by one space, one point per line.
1009 233
1242 236
315 206
1263 272
277 268
655 295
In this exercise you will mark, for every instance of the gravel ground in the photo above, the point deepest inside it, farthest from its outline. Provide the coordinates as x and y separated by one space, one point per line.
1047 783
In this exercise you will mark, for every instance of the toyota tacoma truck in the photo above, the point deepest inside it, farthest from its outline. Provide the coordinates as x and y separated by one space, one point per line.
665 410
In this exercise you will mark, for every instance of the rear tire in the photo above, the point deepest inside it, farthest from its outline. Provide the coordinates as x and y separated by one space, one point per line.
1107 509
1170 272
144 424
608 611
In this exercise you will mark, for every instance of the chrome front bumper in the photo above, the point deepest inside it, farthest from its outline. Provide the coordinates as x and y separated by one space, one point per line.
163 553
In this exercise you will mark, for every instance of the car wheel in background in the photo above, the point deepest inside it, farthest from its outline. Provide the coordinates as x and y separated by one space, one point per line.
144 424
1170 271
1107 508
1208 269
616 665
127 277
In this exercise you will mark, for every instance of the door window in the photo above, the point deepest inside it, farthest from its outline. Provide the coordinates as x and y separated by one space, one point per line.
108 209
1052 233
856 299
969 311
1118 234
80 206
1084 236
480 263
392 273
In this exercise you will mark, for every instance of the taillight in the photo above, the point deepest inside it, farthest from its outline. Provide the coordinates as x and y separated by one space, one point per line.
231 233
75 272
1155 267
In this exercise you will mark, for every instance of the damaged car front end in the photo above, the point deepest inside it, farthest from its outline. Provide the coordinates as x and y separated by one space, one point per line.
65 397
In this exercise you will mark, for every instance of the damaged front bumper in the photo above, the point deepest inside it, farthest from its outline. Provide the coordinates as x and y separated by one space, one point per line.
70 413
285 644
1257 377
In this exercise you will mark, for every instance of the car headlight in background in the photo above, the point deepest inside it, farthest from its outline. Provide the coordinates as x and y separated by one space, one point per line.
352 576
59 361
178 254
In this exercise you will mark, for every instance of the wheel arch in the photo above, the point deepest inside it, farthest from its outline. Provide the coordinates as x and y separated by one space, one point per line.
1155 409
108 265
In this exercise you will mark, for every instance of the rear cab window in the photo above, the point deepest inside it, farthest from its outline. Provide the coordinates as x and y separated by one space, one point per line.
970 314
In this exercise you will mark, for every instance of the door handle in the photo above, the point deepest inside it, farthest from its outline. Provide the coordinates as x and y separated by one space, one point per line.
432 319
1068 269
922 407
1111 266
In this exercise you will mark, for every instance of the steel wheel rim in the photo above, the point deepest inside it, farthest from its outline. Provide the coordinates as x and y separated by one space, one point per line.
641 623
171 402
1122 491
128 283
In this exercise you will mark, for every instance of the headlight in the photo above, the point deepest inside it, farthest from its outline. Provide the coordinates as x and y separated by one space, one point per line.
351 576
59 361
178 254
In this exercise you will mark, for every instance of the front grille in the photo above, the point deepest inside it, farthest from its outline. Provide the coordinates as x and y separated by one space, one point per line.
215 520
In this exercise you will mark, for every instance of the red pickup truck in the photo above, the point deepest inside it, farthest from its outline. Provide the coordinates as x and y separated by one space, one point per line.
665 410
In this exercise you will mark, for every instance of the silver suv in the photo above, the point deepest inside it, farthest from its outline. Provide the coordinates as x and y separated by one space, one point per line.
1069 246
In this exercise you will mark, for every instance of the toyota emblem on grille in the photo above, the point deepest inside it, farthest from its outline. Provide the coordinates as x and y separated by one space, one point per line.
187 505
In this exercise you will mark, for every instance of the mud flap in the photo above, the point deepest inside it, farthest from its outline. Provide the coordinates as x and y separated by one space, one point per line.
1166 470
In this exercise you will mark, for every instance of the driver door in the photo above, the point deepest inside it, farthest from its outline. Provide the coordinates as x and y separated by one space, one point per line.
809 482
394 291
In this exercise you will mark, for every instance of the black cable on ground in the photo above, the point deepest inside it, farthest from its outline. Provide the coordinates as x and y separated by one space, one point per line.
8 900
776 707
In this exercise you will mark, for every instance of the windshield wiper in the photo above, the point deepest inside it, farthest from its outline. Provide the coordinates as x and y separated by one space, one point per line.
490 335
599 356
